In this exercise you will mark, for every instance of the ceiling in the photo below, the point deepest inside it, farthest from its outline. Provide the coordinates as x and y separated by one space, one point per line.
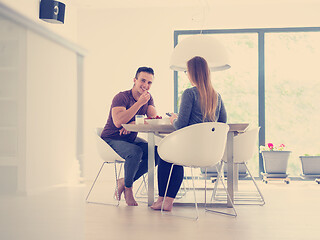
172 3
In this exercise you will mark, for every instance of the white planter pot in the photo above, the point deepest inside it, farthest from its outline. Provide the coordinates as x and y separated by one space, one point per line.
275 162
310 165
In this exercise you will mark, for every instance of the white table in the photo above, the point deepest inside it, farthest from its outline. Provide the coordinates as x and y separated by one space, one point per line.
154 129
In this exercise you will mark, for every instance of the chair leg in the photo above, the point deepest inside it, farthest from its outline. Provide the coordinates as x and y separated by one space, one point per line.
145 183
165 193
255 183
228 196
182 191
94 182
194 192
220 173
142 187
116 175
186 183
117 187
238 199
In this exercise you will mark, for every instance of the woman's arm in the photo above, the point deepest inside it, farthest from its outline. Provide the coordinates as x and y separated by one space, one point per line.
185 110
222 114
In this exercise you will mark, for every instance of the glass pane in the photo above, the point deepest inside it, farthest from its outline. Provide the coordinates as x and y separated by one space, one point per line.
292 94
238 85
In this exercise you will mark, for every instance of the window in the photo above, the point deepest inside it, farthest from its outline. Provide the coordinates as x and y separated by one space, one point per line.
273 83
237 86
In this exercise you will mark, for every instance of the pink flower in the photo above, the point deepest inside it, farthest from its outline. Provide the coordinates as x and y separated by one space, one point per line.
282 145
270 145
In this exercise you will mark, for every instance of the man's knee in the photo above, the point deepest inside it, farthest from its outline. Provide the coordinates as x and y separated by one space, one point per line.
143 146
135 153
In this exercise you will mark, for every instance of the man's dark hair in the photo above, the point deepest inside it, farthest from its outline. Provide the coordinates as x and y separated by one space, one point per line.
144 69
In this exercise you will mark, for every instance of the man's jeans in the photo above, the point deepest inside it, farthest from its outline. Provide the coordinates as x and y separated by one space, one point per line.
136 158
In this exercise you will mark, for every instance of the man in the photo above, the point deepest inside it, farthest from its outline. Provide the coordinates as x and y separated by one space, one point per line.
125 106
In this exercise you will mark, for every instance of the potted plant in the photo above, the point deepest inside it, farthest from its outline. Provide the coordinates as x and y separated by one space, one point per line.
310 165
275 160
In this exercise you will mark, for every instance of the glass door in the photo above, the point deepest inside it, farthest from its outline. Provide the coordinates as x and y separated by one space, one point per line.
292 93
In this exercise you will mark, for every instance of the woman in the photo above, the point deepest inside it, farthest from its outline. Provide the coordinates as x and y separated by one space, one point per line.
201 103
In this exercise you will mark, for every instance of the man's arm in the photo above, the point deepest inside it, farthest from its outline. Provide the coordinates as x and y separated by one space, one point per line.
151 111
121 115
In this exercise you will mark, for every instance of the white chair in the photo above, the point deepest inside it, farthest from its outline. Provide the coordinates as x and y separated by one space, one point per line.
244 146
109 156
195 146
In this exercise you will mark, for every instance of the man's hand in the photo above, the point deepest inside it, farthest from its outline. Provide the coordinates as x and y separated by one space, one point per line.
144 98
123 131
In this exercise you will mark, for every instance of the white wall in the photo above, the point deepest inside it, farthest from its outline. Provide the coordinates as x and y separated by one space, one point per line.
120 40
51 98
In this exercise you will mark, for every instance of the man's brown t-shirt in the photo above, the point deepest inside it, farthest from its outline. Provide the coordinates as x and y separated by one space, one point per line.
123 99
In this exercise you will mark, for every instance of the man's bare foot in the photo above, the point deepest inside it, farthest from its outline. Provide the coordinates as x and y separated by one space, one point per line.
167 204
118 193
128 195
157 205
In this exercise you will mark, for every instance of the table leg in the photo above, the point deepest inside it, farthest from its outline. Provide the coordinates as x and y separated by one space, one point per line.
151 156
230 178
235 177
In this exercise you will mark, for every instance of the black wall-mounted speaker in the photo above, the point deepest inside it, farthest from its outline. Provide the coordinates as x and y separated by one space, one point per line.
52 11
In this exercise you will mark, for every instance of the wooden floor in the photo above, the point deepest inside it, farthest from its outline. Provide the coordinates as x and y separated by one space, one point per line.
291 212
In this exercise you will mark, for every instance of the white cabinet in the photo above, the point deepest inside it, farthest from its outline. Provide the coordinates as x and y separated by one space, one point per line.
12 51
39 109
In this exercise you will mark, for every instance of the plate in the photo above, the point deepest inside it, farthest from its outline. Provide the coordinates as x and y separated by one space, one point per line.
163 121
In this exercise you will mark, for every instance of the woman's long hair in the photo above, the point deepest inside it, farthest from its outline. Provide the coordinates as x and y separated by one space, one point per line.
199 74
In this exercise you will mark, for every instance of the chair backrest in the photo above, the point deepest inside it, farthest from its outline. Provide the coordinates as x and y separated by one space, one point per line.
198 145
104 150
244 145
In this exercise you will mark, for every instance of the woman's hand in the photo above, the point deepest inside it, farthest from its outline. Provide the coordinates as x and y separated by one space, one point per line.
173 117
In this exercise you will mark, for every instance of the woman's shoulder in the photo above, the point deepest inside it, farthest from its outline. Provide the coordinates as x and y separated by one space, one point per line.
192 90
